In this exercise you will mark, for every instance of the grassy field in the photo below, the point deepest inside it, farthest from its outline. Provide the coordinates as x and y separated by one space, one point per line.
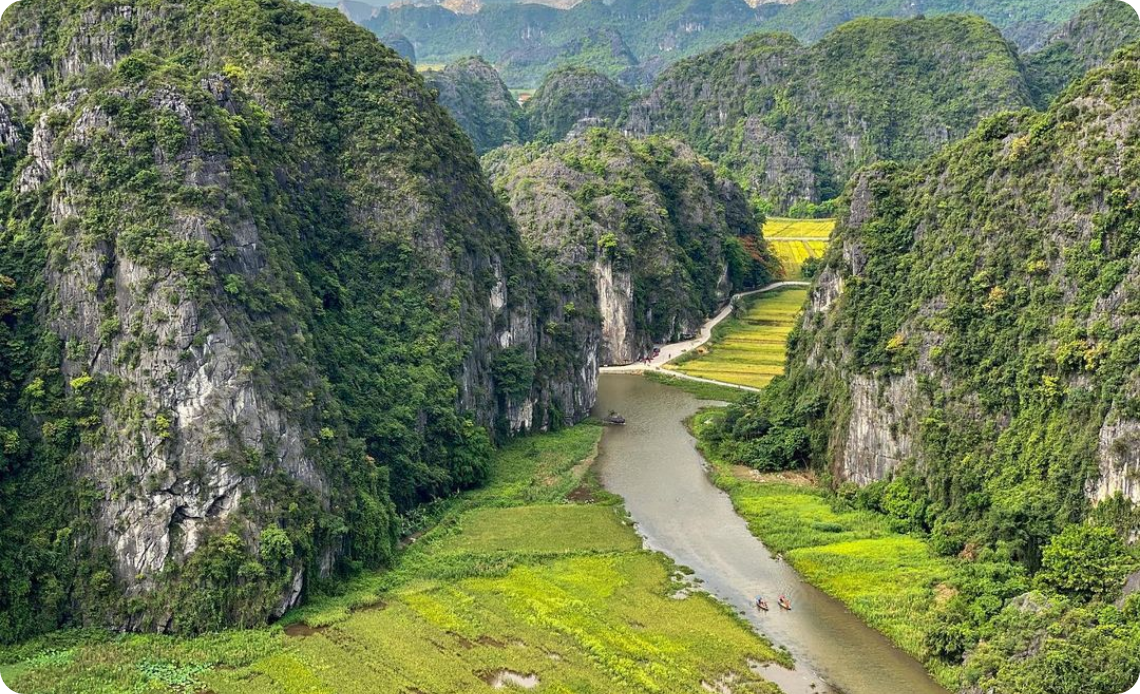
748 349
892 581
515 586
795 240
703 391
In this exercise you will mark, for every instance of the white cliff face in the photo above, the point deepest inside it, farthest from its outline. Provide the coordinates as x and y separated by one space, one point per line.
878 437
615 303
1118 455
642 259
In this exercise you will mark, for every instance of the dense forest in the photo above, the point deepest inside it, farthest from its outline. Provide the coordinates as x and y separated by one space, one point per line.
966 366
275 304
792 122
481 104
570 99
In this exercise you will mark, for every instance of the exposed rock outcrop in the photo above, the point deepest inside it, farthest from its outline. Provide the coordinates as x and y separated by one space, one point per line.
241 331
1085 42
572 97
472 91
647 237
990 342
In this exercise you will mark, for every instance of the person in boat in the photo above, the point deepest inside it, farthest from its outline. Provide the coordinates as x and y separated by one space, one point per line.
785 603
614 418
762 603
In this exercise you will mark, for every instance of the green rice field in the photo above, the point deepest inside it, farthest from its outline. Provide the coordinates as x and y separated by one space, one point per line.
537 581
795 240
749 349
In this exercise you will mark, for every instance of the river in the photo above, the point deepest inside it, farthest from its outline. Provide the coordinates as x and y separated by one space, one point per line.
653 463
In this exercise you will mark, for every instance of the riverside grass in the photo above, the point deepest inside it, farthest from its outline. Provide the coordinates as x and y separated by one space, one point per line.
750 348
793 241
512 578
892 581
709 392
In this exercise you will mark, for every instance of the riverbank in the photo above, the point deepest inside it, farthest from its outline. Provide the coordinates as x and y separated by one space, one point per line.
894 582
671 352
536 580
653 464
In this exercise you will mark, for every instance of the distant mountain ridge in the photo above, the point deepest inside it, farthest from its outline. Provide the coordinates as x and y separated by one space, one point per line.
526 40
793 122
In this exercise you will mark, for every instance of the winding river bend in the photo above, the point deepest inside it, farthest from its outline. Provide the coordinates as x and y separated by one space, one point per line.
653 463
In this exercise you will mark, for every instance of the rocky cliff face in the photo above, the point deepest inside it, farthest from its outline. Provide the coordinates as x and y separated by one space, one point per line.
255 297
472 91
981 308
570 97
401 45
793 122
1086 41
647 238
644 36
626 39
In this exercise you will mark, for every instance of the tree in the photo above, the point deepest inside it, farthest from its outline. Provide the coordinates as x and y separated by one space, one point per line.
1086 562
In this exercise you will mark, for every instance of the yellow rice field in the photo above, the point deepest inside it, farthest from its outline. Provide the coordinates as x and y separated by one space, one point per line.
749 349
795 240
782 227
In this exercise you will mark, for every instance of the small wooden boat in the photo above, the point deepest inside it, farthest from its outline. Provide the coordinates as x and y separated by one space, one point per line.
614 418
784 604
762 604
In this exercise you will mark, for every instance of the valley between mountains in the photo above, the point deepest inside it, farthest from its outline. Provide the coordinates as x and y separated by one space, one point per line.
633 346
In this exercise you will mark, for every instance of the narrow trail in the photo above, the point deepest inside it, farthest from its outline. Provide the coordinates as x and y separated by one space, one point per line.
670 352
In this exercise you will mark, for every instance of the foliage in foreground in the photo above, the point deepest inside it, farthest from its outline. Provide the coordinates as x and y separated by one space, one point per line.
514 577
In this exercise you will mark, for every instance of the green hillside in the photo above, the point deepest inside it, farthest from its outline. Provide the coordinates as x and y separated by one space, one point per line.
792 122
967 369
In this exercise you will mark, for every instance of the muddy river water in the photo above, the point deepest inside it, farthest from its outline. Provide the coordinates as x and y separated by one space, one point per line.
653 463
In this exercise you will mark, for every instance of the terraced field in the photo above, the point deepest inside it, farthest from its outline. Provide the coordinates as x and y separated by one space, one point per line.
749 348
537 581
795 240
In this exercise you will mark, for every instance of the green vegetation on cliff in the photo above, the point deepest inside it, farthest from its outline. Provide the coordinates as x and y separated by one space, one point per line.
1085 42
632 40
481 104
527 41
969 358
569 96
539 574
254 298
643 232
792 123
